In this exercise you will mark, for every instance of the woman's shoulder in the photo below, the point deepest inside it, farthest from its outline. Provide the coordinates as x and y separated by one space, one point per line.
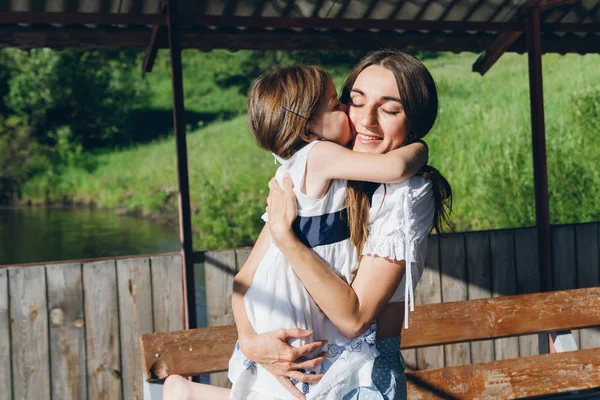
414 187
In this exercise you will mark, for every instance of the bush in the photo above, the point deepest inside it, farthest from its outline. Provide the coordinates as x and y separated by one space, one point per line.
20 157
586 114
93 93
228 217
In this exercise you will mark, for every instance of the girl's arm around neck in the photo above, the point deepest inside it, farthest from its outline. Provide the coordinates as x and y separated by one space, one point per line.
333 161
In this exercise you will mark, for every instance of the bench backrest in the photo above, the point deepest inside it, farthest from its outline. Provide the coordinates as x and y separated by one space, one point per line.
208 350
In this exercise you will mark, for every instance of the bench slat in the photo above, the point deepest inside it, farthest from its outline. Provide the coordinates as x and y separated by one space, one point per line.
502 317
508 379
169 353
186 353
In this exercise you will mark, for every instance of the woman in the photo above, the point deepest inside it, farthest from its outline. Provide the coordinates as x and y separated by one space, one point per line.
392 101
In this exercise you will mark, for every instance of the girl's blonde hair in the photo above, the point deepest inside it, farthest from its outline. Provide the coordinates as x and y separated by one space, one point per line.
281 102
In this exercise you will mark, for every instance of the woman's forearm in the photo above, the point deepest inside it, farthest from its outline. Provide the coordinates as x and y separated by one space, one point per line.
334 296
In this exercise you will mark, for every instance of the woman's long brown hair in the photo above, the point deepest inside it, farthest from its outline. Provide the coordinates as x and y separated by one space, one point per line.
420 101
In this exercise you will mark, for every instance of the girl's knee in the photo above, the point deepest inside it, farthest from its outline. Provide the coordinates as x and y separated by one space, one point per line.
176 388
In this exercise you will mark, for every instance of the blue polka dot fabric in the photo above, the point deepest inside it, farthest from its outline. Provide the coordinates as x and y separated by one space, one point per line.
388 374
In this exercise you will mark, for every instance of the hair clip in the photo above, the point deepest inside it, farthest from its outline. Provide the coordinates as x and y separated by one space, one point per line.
293 112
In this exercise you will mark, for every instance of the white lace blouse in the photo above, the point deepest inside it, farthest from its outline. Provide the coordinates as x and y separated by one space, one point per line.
400 219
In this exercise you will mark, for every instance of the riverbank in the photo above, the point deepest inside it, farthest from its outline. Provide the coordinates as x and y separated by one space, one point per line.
228 177
481 142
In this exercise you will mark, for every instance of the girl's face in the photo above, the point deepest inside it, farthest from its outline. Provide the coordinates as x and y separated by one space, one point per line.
330 121
376 112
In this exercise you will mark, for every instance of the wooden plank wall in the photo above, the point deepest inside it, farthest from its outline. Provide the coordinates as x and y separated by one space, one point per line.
71 331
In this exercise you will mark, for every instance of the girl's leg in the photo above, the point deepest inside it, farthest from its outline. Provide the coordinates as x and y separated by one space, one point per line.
178 388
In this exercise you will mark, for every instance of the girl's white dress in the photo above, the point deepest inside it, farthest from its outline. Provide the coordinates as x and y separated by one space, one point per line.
277 298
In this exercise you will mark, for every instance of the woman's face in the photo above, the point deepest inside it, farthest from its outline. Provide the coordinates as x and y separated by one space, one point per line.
376 112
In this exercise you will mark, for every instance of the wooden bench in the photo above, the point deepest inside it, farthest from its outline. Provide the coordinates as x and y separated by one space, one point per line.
201 351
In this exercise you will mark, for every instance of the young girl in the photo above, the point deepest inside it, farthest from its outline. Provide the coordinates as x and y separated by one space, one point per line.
295 114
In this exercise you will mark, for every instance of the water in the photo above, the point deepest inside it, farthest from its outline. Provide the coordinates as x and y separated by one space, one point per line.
32 235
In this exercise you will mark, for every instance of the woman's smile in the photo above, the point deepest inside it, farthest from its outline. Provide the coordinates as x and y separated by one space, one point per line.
367 139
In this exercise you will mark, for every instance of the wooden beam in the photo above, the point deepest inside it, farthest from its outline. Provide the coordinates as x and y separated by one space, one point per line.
505 40
79 18
548 4
169 353
491 54
538 137
90 260
42 18
206 39
203 39
152 48
185 214
223 23
151 51
509 379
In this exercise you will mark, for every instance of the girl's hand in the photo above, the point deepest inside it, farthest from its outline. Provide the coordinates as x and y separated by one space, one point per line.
282 210
272 351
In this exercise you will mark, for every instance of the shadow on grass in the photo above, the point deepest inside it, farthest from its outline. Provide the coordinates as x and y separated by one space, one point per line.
152 124
148 125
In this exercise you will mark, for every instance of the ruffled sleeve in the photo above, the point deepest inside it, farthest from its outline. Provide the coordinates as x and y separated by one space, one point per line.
398 230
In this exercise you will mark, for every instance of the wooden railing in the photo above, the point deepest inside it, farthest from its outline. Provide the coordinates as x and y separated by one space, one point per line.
71 329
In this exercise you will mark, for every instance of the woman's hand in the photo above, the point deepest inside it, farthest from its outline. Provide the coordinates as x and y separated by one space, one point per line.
283 361
282 210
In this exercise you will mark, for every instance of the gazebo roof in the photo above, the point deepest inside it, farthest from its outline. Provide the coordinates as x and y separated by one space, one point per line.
434 25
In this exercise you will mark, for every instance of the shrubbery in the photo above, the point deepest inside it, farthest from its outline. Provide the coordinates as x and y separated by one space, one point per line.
65 102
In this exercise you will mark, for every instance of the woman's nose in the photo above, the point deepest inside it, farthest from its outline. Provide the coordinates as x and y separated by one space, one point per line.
344 107
368 117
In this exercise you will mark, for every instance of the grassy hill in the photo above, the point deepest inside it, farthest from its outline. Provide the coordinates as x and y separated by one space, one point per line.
481 142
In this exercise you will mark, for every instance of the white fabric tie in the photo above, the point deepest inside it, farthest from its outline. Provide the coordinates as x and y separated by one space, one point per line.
278 159
408 242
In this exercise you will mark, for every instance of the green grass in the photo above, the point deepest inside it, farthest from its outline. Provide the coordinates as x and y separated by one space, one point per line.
481 142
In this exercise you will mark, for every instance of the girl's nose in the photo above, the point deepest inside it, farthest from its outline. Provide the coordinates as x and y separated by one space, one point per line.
344 107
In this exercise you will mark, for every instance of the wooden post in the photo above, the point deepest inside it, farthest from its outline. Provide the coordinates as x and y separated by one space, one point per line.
185 215
538 135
